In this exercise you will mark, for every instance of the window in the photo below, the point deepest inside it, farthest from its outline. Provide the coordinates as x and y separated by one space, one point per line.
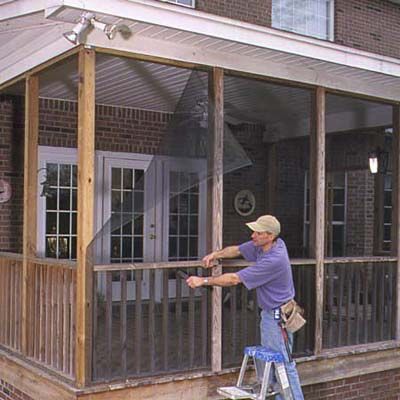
186 3
61 206
127 197
335 213
183 216
387 213
307 17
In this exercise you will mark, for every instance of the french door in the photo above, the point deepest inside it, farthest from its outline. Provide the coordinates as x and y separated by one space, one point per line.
147 209
153 210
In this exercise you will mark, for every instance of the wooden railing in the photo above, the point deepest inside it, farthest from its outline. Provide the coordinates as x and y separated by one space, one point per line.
146 321
10 300
51 292
359 302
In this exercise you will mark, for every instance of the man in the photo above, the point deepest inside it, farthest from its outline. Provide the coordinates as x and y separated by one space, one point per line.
271 276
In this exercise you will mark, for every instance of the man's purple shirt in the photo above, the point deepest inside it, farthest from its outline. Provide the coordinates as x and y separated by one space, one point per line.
271 275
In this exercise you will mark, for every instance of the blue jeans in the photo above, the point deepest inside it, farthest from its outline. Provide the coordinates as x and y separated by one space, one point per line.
271 337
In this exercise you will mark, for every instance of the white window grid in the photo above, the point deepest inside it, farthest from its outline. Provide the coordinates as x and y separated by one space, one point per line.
184 243
129 208
335 221
307 17
387 213
185 3
61 243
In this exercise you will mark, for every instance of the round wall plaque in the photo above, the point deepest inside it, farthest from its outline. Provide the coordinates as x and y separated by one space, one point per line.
5 191
244 202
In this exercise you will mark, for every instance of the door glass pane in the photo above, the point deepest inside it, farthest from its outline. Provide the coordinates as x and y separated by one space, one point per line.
183 216
127 196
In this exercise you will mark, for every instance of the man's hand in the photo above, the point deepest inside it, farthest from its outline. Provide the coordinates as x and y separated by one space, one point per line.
208 260
195 281
227 252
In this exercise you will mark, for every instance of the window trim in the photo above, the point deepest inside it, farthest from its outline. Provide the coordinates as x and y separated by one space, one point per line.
331 24
56 155
193 5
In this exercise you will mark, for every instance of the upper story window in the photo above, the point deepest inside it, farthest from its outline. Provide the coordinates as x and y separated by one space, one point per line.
307 17
186 3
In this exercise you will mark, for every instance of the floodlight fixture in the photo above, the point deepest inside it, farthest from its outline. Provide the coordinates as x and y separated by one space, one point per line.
83 24
86 20
109 29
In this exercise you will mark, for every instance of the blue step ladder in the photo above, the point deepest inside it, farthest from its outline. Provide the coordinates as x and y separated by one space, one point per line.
263 360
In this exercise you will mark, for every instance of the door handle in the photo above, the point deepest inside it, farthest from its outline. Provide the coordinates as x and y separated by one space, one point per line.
152 236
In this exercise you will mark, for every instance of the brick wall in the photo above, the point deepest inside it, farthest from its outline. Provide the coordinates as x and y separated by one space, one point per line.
382 385
292 163
371 25
252 11
11 170
9 392
251 177
117 129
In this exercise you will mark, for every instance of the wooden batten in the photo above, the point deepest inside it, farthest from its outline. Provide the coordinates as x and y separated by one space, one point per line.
396 205
215 165
317 206
86 162
30 204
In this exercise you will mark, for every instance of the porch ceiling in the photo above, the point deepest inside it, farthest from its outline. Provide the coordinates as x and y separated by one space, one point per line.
168 31
139 84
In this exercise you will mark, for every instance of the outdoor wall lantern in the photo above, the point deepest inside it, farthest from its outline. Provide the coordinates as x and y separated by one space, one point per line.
378 161
86 20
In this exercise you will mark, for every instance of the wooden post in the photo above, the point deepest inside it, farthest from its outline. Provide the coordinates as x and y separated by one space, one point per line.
215 165
317 206
86 162
30 203
396 205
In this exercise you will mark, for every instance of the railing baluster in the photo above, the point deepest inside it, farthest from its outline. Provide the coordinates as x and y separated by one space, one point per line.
123 323
341 273
48 316
54 330
152 295
192 332
381 301
178 319
12 311
60 319
72 323
66 315
108 323
330 293
357 283
349 310
374 316
204 330
243 315
389 302
165 319
138 320
233 306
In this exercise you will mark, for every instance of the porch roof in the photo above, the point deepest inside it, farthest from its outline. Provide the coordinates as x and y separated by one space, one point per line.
31 34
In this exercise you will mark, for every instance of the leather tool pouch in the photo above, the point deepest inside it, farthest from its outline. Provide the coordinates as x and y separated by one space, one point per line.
292 316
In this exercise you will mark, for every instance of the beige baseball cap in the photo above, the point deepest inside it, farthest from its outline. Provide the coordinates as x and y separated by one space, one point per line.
266 223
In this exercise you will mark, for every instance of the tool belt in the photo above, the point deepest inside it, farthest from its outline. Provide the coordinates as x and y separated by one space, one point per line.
292 316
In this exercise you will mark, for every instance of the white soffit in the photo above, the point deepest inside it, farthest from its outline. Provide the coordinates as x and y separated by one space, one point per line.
167 31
